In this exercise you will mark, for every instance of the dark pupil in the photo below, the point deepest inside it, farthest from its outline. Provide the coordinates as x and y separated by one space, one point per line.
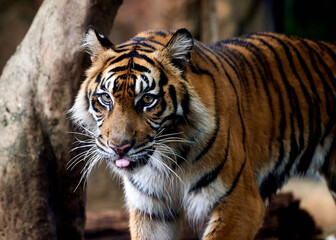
148 99
106 98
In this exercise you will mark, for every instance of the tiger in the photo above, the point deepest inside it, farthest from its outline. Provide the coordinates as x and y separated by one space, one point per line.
207 133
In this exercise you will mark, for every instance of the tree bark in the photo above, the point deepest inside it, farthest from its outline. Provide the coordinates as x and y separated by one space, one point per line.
209 26
37 87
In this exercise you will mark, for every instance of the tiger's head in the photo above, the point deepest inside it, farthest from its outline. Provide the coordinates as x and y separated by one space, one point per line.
136 102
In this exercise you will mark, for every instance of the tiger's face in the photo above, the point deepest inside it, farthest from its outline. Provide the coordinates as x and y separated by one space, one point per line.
135 100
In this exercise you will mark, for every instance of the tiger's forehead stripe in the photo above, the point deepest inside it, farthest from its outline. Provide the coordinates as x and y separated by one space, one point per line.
123 71
144 83
137 42
130 55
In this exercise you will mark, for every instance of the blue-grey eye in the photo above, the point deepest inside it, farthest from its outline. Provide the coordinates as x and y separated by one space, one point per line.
106 98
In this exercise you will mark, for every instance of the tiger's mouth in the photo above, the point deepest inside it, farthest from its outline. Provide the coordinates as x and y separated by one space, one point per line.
122 162
129 163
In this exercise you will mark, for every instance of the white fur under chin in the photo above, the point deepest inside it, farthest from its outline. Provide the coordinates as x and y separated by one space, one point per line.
165 186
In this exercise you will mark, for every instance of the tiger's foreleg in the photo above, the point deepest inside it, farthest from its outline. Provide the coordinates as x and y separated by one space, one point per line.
150 227
239 215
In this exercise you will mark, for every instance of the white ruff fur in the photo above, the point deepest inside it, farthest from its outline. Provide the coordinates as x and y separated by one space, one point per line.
164 186
198 205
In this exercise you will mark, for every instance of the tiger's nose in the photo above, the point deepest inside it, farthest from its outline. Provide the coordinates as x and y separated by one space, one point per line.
121 150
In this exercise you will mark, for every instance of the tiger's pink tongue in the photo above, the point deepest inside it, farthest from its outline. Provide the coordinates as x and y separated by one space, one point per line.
122 162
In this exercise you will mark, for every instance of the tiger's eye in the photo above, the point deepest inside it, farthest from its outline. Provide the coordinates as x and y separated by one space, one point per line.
147 99
106 98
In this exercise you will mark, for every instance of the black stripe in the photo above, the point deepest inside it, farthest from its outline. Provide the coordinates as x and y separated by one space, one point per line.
182 156
263 69
310 101
145 50
217 120
98 78
269 185
140 39
148 139
172 117
163 79
199 48
143 190
144 57
140 68
163 106
294 152
234 184
88 96
329 95
93 103
151 87
296 106
153 121
209 177
237 98
185 103
215 54
291 96
100 116
333 56
315 134
161 33
172 93
118 69
260 57
134 44
122 57
162 82
100 147
143 42
134 54
111 75
152 127
194 69
119 84
242 77
120 50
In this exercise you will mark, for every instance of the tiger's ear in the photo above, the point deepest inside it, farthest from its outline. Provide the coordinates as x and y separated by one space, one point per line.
95 43
179 46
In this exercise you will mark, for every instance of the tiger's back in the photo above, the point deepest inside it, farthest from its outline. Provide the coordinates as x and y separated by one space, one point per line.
208 131
289 90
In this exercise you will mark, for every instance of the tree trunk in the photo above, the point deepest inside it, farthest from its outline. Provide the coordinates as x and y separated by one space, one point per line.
37 87
209 26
